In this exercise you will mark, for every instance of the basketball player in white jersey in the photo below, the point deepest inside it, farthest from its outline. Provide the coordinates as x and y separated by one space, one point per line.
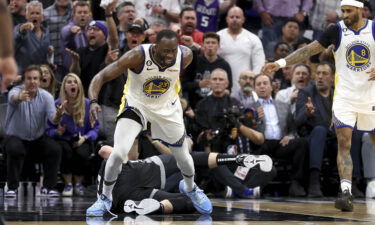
354 98
150 95
8 67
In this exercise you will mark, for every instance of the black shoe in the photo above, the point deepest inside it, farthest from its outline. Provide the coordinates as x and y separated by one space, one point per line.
296 190
314 191
344 202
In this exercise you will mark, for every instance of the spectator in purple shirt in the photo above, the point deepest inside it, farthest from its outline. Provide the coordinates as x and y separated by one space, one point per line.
74 133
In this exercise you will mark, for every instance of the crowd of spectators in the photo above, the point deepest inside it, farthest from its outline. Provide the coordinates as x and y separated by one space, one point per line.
229 105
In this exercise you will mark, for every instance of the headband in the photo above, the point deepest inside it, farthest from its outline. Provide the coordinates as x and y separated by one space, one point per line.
354 3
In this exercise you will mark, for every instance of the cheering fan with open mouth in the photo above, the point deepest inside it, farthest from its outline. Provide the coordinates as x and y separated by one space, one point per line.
74 133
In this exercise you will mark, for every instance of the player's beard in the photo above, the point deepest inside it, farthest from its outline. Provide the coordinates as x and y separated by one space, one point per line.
353 21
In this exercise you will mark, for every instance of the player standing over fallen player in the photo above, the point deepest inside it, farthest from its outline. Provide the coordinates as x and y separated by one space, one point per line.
150 95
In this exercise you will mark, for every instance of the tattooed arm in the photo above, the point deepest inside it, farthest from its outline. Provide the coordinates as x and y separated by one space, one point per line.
297 56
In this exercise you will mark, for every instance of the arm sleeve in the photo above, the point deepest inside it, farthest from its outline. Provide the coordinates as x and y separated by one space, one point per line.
330 36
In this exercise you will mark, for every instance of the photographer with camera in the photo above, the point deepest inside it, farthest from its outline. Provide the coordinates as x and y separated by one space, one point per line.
226 129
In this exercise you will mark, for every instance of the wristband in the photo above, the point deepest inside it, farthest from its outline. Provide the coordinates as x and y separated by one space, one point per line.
281 63
93 101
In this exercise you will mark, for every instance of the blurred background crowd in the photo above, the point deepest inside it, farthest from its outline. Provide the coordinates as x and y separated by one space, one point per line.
229 105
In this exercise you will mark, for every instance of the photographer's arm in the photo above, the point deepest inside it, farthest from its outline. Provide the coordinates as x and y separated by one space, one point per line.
255 136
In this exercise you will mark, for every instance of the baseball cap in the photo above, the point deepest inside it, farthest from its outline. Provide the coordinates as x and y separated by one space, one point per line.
136 26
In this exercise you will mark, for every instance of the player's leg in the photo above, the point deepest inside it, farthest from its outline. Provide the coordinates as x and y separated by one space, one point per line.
128 127
345 167
344 119
187 186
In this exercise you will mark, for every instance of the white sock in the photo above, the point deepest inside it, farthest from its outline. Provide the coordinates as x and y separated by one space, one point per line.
107 189
346 185
186 164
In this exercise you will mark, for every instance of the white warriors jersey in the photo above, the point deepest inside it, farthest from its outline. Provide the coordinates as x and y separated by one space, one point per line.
354 56
153 86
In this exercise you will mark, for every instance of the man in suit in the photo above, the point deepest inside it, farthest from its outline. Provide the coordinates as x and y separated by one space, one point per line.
281 140
313 119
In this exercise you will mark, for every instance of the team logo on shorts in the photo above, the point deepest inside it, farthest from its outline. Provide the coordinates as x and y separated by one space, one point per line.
358 56
155 87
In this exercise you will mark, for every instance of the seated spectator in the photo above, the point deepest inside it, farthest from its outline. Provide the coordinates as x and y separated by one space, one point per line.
48 81
290 33
281 50
223 132
32 39
313 119
74 132
29 109
301 75
246 95
281 140
195 82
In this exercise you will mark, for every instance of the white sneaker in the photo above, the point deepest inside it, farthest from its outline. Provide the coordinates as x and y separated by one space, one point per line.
370 190
146 206
249 161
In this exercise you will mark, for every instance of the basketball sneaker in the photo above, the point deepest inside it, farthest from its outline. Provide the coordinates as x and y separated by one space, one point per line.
345 201
263 161
100 207
146 206
199 199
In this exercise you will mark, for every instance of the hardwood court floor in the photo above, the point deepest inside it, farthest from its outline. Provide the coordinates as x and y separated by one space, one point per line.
45 211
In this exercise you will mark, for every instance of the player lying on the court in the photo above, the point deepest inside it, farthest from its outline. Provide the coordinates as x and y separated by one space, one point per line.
142 180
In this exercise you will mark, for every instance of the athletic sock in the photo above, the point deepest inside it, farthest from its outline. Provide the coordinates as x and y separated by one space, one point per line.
346 185
108 187
225 159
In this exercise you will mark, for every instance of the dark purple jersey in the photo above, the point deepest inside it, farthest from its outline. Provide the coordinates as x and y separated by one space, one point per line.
207 15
